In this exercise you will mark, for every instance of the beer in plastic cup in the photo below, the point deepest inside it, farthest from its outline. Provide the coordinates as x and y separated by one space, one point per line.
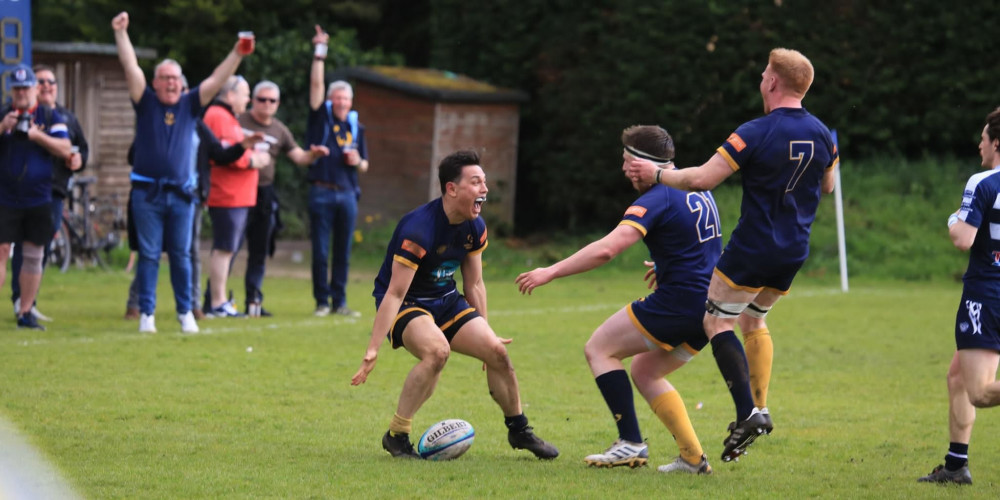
246 44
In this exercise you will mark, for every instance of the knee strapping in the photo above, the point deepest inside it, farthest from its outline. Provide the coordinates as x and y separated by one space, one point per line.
32 263
725 310
755 311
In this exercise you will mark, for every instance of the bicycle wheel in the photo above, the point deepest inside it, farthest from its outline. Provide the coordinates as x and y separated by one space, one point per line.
60 249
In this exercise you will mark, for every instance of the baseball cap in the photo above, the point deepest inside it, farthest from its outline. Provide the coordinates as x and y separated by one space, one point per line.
21 76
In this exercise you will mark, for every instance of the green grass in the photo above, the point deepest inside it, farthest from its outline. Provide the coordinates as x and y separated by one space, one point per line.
858 397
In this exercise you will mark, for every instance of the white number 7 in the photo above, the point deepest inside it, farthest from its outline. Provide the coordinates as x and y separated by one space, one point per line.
801 152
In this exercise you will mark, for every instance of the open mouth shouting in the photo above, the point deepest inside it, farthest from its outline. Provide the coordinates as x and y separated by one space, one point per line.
479 203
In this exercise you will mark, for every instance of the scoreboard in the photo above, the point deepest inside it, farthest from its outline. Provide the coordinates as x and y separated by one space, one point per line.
15 39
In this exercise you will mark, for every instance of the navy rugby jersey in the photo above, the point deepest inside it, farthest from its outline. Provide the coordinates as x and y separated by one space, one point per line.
425 241
26 166
783 156
164 137
682 232
981 209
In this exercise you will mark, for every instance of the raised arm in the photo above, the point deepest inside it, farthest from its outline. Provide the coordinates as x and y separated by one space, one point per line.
134 77
589 257
316 91
208 88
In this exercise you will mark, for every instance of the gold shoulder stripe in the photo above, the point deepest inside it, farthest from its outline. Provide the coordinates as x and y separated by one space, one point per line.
406 262
729 159
633 224
480 249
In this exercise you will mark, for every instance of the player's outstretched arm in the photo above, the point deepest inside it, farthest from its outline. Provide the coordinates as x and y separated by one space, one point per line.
700 178
402 276
589 257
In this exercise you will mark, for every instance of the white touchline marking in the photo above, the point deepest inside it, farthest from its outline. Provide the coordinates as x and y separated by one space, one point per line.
24 472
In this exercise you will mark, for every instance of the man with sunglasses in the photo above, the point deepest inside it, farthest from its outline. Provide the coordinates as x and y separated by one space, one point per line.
62 172
262 219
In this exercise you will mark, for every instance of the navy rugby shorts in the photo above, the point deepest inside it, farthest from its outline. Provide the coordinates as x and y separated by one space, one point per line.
450 314
671 320
977 324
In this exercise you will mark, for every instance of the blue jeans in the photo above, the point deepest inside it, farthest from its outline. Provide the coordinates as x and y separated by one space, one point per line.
18 258
331 215
163 224
133 289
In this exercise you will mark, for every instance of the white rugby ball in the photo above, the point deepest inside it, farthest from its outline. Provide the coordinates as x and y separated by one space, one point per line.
446 440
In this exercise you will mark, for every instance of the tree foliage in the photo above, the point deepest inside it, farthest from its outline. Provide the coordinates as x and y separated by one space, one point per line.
906 79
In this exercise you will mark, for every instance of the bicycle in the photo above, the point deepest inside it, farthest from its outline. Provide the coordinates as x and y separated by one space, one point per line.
89 227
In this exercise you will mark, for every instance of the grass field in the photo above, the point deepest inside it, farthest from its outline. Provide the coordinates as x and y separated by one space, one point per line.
264 408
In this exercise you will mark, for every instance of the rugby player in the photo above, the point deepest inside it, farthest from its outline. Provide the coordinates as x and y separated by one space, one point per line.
972 376
662 331
787 157
418 306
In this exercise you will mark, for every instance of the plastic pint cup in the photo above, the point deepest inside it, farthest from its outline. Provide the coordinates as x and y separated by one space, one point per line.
246 44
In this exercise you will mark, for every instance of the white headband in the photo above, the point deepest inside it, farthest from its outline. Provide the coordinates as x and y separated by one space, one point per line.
646 156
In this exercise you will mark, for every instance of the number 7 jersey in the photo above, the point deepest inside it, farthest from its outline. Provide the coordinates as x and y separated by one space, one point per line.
783 156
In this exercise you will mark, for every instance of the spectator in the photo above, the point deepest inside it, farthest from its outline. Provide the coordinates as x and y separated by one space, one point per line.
208 147
32 138
233 191
333 196
62 172
262 219
163 185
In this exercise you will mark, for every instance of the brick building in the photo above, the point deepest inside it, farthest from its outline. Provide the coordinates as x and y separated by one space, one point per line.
416 117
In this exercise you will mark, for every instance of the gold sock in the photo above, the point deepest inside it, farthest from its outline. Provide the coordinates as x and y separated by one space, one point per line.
669 407
760 356
400 425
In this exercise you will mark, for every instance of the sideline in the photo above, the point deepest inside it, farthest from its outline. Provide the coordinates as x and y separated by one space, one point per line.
24 473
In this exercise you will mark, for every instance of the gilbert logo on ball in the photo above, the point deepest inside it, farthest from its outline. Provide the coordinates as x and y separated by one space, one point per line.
446 440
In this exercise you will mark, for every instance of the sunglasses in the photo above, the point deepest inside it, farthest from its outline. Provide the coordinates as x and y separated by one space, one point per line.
49 81
266 99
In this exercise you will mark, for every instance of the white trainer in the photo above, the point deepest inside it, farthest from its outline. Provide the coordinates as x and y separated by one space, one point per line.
188 324
620 453
681 465
147 323
34 311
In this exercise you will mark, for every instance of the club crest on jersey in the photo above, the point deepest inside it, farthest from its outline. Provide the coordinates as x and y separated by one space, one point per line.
636 210
736 142
468 242
169 118
996 259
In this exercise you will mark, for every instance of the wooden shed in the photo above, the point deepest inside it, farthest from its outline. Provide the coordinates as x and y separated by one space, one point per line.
414 118
92 86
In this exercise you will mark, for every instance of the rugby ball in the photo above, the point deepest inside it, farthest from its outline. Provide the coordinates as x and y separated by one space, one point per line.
446 440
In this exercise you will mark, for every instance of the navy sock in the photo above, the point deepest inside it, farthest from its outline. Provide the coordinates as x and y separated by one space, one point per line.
516 423
616 388
957 457
732 361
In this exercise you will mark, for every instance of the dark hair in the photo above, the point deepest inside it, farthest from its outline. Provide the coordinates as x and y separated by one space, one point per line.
650 139
43 67
993 125
450 169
